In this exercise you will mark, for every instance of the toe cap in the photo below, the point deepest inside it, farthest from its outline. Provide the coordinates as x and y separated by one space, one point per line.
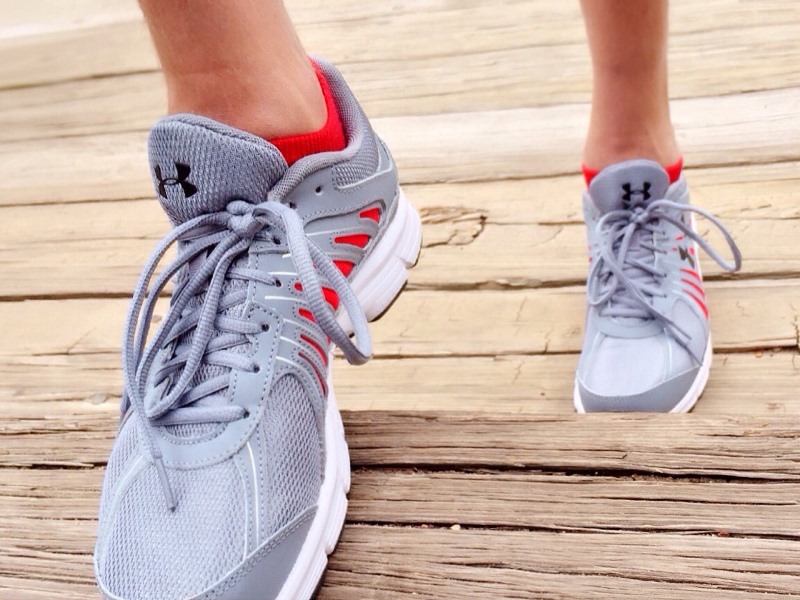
663 397
265 572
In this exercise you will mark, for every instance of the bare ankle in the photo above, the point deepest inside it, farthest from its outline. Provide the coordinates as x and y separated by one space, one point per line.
606 146
252 103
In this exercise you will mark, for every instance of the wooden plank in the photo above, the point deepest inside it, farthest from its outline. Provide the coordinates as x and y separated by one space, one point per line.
524 322
481 61
99 248
720 446
478 146
648 516
490 499
90 384
497 79
391 562
440 564
741 447
37 17
685 446
545 22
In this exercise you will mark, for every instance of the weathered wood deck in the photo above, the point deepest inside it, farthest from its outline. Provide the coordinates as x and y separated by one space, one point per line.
472 479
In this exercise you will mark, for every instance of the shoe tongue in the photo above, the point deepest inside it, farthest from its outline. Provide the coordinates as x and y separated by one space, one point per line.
628 184
199 165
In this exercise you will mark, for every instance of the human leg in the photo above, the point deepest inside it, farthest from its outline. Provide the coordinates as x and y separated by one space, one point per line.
239 62
229 474
630 115
647 344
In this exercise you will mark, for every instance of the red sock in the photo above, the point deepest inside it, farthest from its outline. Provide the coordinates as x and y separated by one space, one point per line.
330 138
673 172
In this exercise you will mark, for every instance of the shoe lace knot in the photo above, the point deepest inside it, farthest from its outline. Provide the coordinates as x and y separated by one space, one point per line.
197 330
625 278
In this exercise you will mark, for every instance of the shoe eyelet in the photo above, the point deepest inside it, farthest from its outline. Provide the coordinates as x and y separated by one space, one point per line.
276 240
265 327
292 205
318 191
246 414
257 369
278 283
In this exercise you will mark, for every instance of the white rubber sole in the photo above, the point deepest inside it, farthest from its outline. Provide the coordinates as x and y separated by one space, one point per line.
379 280
688 401
331 510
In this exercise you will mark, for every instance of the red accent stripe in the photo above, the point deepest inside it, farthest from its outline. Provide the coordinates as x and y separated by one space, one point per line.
696 287
345 266
322 354
356 239
331 297
322 385
694 274
307 314
700 303
371 213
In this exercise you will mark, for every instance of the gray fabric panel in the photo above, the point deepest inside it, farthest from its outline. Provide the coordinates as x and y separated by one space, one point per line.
154 553
223 164
661 398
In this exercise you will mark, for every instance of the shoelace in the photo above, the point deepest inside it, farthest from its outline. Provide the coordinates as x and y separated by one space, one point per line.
224 236
624 279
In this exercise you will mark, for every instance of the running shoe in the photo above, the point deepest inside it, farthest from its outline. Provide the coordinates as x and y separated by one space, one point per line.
229 474
646 345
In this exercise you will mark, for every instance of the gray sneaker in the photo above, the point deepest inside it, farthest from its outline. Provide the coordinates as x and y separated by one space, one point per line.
229 474
646 345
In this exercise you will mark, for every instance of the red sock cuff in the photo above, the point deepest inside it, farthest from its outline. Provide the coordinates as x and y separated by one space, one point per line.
673 172
331 138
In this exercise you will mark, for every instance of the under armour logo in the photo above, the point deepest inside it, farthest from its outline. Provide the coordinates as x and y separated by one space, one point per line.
183 173
643 195
686 255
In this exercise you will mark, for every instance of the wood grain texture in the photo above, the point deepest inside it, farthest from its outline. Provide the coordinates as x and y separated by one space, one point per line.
433 148
525 322
659 503
522 360
480 61
65 385
100 247
424 84
512 496
741 447
390 562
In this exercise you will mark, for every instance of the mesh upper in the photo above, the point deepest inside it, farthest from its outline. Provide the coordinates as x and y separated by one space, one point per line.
151 552
361 166
295 464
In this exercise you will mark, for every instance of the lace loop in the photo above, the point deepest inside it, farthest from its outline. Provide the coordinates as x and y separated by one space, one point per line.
215 241
624 279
